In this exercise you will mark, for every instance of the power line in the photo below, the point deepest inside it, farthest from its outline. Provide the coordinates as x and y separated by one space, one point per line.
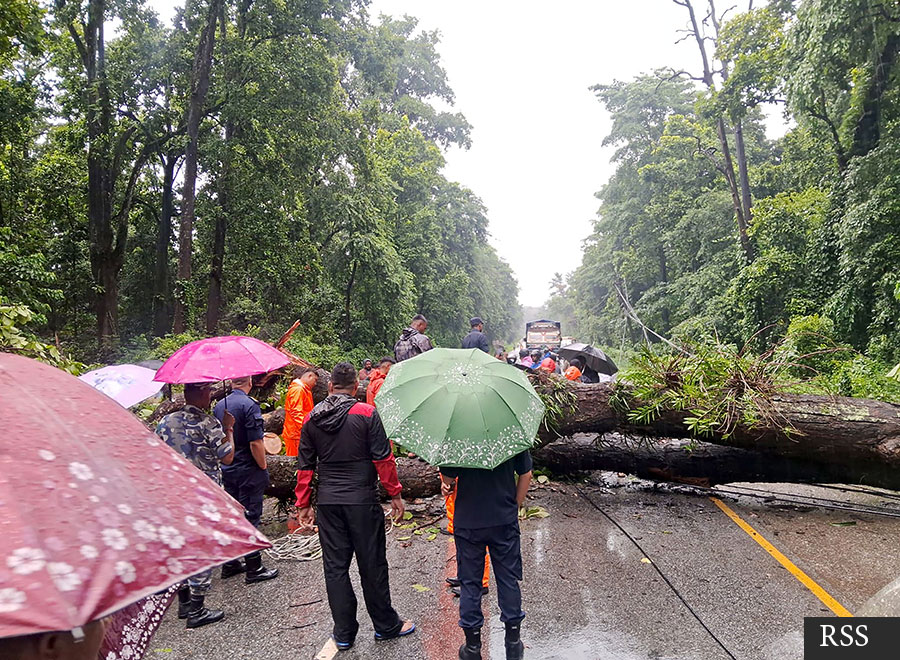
658 570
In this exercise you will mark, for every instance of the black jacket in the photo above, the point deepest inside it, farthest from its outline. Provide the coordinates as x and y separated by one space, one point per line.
476 339
345 440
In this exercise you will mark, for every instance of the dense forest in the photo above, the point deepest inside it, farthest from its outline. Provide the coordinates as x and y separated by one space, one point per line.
251 164
711 232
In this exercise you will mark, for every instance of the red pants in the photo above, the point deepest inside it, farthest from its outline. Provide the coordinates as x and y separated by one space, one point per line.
450 503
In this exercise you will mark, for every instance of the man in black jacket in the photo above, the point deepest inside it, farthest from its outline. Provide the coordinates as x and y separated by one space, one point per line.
345 441
476 337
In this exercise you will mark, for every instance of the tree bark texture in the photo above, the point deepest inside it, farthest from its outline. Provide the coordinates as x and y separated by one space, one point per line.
199 89
161 322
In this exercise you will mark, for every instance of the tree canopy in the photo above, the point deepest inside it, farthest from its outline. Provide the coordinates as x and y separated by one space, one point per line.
668 256
251 164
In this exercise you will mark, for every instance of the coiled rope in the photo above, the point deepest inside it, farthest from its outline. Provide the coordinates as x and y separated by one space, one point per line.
296 546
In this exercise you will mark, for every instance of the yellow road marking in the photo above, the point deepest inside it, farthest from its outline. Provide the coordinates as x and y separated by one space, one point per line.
807 581
328 651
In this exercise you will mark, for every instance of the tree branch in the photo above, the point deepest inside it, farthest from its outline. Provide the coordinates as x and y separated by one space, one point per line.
79 45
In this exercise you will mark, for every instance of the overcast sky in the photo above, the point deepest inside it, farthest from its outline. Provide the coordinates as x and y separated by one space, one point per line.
522 71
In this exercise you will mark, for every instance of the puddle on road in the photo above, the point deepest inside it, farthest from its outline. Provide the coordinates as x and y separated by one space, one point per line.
582 644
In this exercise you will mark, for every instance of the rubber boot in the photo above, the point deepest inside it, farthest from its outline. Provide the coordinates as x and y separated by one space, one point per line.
184 601
202 616
256 572
232 568
515 647
471 650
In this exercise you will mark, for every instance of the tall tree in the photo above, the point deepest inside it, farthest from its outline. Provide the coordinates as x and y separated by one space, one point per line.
196 108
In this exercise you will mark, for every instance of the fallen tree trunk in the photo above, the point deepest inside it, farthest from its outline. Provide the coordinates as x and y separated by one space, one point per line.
662 459
418 478
858 438
830 439
683 461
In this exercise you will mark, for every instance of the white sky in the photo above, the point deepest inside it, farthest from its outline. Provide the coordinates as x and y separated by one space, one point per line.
521 71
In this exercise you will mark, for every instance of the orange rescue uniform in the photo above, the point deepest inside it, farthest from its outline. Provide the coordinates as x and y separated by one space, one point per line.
450 503
297 405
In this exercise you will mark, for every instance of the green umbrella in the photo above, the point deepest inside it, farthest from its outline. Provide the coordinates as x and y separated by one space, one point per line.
461 408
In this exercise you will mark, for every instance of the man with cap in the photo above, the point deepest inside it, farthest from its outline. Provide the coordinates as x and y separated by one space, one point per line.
208 444
476 337
247 478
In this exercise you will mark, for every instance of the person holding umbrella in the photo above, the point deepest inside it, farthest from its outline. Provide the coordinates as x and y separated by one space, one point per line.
476 419
133 509
56 645
487 518
247 477
208 444
236 358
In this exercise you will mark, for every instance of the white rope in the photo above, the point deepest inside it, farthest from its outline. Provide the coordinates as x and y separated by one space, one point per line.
296 546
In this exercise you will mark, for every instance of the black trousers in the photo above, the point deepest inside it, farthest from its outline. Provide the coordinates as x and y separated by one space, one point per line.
506 560
345 530
247 485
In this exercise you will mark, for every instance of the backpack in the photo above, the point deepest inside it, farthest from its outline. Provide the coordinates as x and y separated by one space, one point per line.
406 348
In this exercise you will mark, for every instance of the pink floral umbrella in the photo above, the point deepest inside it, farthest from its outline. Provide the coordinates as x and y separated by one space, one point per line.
220 358
100 513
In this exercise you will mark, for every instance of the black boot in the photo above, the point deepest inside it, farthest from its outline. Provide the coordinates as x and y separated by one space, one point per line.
256 572
457 591
184 601
232 568
453 581
201 616
471 650
515 647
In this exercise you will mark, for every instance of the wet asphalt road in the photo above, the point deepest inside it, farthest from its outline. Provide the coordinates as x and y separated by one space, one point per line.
587 593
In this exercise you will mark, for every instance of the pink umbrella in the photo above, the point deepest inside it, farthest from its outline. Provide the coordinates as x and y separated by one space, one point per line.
220 358
100 513
127 384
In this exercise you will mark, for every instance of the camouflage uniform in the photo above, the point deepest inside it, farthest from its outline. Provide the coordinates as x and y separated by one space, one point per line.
198 436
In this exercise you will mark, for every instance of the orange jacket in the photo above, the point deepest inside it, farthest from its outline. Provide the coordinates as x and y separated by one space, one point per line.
376 380
297 405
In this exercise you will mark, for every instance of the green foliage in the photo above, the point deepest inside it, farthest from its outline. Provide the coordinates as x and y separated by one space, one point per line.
822 269
321 195
715 386
16 339
328 355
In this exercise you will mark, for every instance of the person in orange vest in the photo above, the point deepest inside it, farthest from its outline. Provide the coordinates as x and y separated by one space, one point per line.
297 405
376 378
450 503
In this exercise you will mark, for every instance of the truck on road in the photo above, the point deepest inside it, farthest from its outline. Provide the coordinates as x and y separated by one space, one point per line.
543 333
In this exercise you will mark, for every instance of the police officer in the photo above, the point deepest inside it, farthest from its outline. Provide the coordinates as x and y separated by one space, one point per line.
476 337
208 444
487 518
247 478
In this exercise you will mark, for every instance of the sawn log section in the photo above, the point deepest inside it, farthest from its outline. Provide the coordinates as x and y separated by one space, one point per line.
833 439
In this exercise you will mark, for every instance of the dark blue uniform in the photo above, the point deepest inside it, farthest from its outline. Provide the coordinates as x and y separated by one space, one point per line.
244 480
476 339
487 518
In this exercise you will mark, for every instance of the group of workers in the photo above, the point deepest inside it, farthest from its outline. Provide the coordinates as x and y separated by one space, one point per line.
343 441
